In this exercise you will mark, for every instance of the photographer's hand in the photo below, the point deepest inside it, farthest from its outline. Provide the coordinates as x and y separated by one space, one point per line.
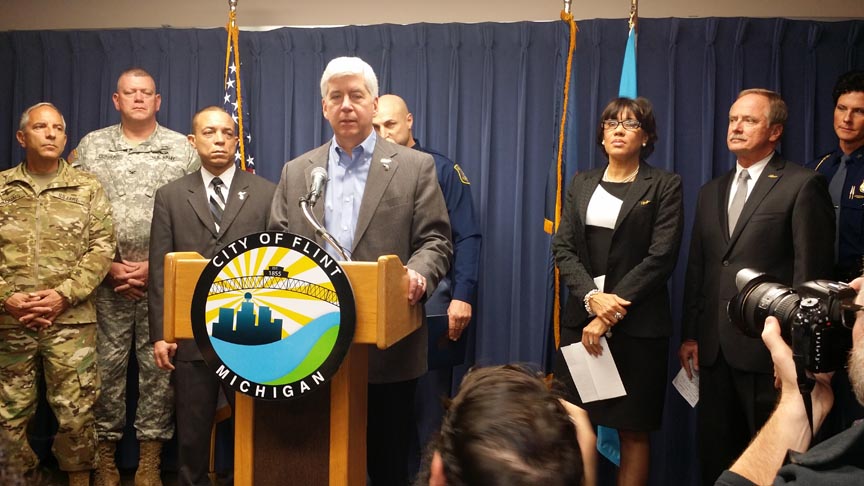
788 427
787 378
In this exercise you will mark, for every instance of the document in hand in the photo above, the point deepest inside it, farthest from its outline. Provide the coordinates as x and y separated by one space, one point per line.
688 388
596 378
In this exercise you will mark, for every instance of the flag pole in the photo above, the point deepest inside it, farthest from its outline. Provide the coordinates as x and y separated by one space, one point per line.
234 47
552 227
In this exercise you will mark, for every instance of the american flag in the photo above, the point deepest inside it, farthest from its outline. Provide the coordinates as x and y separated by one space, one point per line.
233 100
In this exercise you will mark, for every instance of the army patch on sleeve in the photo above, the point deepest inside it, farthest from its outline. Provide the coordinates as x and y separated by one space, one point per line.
462 177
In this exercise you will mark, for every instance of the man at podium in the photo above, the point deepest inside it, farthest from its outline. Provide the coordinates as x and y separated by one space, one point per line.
379 199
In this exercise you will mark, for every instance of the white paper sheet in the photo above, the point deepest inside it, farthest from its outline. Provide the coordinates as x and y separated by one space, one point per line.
689 389
596 378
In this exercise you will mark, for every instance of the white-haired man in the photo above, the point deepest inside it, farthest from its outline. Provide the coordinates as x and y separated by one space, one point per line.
381 199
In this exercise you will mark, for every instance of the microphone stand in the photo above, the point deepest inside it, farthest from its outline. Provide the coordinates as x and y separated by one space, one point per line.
319 229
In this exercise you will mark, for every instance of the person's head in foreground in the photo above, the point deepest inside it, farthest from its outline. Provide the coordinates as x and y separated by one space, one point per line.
504 427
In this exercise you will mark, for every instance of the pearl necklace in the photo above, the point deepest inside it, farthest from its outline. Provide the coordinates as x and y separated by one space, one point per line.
630 178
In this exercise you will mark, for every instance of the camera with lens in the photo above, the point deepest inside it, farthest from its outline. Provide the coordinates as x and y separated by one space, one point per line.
816 320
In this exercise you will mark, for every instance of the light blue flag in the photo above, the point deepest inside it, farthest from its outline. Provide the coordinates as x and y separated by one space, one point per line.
627 88
608 442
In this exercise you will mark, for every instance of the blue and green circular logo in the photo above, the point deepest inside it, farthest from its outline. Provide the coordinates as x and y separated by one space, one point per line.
273 315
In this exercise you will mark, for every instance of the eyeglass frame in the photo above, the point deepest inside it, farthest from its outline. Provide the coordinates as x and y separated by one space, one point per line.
607 124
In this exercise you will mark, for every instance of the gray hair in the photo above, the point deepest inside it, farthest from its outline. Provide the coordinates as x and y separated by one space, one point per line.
25 117
345 66
777 111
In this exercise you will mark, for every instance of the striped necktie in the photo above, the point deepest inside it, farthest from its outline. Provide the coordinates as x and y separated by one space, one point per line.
217 203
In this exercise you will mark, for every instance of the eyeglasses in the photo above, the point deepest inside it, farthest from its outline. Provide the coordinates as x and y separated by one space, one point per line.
629 124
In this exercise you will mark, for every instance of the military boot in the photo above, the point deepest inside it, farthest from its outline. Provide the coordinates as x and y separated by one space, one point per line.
79 478
148 464
106 472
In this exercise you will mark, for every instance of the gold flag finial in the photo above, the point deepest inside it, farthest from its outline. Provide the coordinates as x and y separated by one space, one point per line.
232 4
567 4
634 14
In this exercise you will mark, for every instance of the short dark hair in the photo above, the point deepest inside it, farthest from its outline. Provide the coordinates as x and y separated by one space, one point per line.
847 83
206 109
505 427
642 110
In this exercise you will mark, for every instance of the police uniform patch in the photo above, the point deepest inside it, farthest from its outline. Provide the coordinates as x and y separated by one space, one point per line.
462 177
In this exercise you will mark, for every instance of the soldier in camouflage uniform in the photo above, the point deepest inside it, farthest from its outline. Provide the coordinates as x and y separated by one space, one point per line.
56 244
132 160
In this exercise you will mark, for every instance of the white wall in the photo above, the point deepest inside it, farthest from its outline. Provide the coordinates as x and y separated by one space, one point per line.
93 14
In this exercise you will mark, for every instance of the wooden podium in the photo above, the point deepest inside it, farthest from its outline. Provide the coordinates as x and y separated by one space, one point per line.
319 439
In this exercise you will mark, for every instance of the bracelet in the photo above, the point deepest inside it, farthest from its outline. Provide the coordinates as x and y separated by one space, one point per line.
587 301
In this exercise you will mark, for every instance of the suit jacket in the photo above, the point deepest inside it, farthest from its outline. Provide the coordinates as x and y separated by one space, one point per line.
402 213
786 229
642 253
182 222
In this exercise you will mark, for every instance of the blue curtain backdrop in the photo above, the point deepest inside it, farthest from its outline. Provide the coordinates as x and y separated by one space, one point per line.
488 96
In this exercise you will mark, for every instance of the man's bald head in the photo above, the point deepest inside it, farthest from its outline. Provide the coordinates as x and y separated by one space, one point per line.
393 121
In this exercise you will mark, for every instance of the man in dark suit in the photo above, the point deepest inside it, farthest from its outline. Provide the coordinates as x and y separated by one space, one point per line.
770 215
200 212
381 199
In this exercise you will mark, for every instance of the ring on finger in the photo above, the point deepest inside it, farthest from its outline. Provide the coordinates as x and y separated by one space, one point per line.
619 316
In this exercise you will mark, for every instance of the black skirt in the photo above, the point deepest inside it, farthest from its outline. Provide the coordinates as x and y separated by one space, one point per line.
642 364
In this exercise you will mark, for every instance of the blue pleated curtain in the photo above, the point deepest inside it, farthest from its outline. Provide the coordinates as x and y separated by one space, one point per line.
488 95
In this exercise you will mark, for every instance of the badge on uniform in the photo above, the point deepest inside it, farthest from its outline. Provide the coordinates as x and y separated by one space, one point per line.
462 177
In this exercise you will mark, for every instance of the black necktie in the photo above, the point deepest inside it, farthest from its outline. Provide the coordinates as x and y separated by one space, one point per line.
217 204
837 182
836 189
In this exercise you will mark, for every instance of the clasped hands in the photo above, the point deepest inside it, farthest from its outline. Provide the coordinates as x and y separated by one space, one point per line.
129 279
36 310
609 309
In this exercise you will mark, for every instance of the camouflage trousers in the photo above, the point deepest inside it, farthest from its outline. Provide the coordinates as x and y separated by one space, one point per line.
67 356
121 322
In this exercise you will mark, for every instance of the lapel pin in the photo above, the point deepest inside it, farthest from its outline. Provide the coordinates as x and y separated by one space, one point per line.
645 202
241 195
773 176
386 163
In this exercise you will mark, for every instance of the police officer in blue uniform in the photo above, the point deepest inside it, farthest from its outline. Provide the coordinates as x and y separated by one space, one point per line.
844 168
456 295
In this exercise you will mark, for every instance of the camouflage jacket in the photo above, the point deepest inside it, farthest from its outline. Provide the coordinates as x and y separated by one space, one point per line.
130 176
60 238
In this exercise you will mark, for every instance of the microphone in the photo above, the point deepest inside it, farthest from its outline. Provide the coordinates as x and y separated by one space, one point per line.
319 180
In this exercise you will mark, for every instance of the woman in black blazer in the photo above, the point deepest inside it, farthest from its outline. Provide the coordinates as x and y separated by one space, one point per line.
616 248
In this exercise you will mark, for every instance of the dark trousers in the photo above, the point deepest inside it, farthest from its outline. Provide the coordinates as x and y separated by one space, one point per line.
197 393
733 406
389 431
